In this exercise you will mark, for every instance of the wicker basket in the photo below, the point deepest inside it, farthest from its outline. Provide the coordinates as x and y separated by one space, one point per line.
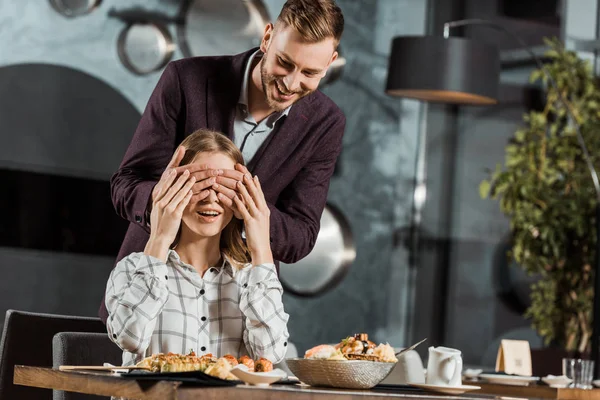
350 374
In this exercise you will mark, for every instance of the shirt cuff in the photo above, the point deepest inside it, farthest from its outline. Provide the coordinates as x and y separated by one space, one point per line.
261 273
152 266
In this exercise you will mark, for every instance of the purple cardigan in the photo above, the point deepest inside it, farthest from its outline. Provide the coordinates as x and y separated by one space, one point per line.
294 164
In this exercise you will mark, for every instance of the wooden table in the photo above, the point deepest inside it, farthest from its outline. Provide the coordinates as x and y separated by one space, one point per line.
106 384
537 391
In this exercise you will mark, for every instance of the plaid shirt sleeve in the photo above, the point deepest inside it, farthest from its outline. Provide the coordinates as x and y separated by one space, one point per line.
265 333
135 295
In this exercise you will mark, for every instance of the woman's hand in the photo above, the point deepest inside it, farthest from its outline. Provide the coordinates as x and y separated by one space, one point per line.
172 196
252 206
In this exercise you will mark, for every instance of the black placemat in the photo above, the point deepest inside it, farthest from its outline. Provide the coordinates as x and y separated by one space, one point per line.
196 378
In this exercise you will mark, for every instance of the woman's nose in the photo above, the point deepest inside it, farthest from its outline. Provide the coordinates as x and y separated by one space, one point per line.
212 196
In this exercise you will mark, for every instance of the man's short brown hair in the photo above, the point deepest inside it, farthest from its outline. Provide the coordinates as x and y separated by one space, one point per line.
314 20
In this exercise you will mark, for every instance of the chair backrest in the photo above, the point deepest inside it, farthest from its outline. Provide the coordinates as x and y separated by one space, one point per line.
27 340
83 348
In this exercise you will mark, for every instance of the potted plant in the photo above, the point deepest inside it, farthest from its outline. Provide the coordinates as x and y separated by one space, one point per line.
546 190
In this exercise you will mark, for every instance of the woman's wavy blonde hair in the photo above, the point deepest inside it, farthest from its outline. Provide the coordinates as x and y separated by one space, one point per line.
206 141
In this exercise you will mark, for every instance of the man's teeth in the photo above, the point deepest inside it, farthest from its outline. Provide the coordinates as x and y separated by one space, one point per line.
282 91
209 213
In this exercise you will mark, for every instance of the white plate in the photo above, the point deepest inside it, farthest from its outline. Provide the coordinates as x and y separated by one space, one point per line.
512 380
472 373
258 378
557 381
446 389
596 382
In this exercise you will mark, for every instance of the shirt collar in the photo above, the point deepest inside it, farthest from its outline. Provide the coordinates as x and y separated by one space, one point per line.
225 264
243 100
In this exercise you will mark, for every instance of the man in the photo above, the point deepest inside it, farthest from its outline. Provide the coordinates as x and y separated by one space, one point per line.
266 100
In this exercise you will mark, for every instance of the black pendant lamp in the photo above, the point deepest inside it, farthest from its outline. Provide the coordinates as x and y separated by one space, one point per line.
448 70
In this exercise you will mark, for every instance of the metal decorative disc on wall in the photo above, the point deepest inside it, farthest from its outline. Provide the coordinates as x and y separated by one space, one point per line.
145 47
329 261
213 28
74 8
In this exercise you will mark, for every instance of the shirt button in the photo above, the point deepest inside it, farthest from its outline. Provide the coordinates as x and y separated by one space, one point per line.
201 291
114 335
203 319
245 285
166 277
285 343
138 218
213 270
203 348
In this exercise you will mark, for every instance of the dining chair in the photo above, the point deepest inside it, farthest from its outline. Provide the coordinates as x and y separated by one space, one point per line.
27 340
83 348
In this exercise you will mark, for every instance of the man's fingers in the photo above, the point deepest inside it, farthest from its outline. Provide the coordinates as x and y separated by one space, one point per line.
177 157
226 201
224 190
194 168
242 168
200 196
233 174
202 185
228 182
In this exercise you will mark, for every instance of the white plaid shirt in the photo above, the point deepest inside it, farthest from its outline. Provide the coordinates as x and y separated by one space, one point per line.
157 307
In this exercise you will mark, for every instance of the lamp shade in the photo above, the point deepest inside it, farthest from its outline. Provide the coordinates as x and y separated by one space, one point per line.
448 70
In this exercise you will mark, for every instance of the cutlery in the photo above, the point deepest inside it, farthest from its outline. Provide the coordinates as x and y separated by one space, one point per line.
410 348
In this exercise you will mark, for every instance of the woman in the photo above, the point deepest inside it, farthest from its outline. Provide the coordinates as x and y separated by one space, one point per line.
197 285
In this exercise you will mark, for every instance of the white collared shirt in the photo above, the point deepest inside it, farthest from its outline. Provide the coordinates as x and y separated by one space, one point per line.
248 135
157 307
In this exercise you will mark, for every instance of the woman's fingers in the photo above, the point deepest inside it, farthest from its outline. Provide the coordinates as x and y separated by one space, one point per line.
183 203
182 193
260 196
164 184
241 207
166 199
247 198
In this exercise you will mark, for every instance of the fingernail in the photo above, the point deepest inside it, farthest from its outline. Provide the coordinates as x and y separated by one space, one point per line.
248 177
172 172
216 185
240 184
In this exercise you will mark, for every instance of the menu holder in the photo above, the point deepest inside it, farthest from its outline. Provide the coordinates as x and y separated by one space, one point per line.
514 357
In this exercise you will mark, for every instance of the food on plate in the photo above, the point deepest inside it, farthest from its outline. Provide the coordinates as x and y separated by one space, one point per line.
385 353
221 369
218 367
357 347
173 362
232 360
263 365
324 352
247 361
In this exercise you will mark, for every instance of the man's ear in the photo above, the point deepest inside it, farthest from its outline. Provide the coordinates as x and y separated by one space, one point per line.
267 36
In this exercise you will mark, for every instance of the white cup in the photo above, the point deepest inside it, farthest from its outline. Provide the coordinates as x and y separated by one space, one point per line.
444 367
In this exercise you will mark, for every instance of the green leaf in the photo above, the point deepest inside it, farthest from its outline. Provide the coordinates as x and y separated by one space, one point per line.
484 189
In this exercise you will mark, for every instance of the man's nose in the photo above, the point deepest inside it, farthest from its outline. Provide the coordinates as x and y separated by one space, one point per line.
292 81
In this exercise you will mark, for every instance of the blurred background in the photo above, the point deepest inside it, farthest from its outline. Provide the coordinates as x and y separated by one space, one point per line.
75 77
